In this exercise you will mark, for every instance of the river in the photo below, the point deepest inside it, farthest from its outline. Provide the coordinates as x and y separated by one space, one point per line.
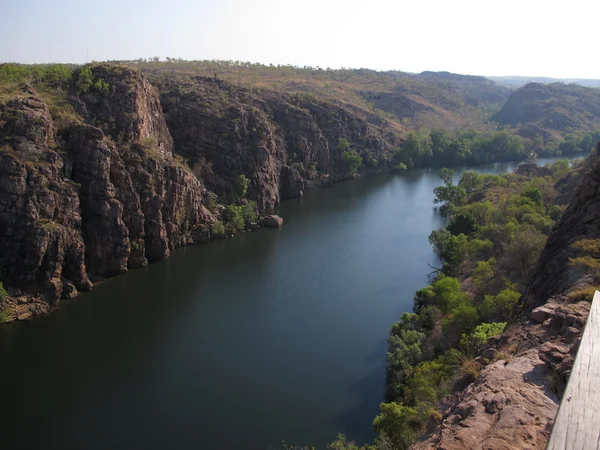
275 335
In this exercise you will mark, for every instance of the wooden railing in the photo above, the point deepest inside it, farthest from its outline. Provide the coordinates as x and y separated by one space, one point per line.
577 424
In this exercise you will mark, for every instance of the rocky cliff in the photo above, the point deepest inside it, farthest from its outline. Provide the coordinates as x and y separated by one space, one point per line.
278 141
91 198
113 172
512 403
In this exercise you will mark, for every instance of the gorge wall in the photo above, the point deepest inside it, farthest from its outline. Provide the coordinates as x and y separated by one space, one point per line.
116 172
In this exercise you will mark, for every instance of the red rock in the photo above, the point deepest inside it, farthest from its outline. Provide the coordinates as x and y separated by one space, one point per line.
272 221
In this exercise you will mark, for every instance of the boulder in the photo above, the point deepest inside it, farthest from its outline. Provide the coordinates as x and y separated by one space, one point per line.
272 221
541 313
489 353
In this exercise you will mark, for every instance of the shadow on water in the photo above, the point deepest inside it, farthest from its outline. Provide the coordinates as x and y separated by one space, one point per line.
367 390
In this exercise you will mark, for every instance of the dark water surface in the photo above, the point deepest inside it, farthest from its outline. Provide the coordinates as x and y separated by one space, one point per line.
273 335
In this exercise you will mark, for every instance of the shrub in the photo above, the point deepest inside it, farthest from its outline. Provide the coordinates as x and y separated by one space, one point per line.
351 162
479 248
211 203
480 334
555 212
217 229
462 319
501 306
463 223
85 79
400 424
241 186
483 274
5 315
534 194
3 293
471 182
233 218
539 222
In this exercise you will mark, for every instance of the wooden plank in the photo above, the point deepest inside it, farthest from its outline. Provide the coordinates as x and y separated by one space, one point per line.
577 424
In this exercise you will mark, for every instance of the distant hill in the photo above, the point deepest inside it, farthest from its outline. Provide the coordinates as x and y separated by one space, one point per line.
551 110
406 101
514 82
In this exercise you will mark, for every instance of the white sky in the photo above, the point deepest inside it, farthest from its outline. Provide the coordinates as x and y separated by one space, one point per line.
511 37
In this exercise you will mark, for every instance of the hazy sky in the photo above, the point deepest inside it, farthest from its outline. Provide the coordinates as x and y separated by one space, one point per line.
501 37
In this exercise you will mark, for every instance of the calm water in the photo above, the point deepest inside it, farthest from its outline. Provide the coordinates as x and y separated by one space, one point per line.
240 344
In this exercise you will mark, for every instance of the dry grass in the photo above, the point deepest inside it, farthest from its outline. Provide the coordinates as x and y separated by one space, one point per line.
582 293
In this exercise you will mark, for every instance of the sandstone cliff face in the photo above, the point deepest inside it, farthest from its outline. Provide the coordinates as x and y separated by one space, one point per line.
40 225
90 200
274 139
554 274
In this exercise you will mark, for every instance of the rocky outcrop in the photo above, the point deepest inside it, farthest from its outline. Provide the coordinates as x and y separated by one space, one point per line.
272 221
533 170
278 141
40 224
512 403
127 108
554 274
93 198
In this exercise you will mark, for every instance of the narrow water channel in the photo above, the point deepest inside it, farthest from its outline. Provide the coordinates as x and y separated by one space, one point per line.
275 335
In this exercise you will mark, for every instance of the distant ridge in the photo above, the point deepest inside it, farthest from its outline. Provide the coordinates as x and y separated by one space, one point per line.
518 81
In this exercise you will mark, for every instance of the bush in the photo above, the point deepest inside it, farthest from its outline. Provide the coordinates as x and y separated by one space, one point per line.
400 424
233 218
473 341
462 319
217 229
463 223
249 212
539 222
501 306
483 275
5 315
211 203
241 186
351 162
3 293
479 248
555 212
85 79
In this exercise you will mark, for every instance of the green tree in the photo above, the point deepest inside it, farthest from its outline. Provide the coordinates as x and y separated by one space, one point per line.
534 194
450 194
471 182
217 229
463 223
447 175
462 319
57 75
241 186
483 275
351 162
85 79
501 306
400 424
234 220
